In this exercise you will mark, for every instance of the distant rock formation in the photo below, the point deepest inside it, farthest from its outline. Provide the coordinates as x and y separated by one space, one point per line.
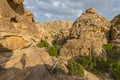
87 36
58 28
55 25
115 31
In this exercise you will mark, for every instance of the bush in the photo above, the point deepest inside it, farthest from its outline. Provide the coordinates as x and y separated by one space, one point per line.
61 68
101 64
116 70
53 51
108 47
54 41
43 44
113 56
84 61
75 68
97 64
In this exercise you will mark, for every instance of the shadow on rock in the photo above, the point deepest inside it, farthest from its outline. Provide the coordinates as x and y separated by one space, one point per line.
5 55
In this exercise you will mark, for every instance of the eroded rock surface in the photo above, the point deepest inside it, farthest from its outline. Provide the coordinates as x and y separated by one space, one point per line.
115 31
51 30
87 36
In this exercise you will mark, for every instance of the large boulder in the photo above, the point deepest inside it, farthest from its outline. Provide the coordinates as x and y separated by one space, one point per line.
115 31
13 42
87 35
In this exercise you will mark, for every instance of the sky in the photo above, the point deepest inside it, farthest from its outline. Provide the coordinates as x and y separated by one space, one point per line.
70 10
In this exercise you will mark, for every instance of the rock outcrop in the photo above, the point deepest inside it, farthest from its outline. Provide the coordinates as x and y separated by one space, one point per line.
115 31
17 31
36 67
55 25
14 19
13 42
19 36
50 30
87 36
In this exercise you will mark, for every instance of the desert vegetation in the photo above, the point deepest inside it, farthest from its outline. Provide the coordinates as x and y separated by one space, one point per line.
43 43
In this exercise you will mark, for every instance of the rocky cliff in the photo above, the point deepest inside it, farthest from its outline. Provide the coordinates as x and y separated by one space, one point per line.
17 29
115 31
87 35
18 37
14 19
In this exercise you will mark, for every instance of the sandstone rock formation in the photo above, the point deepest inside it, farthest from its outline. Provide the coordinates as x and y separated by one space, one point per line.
87 36
115 31
17 30
55 25
50 30
14 19
12 43
19 35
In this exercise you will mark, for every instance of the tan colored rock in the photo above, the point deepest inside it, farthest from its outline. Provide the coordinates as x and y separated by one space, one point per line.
50 30
15 19
13 42
55 25
32 53
115 31
36 67
88 35
28 15
18 1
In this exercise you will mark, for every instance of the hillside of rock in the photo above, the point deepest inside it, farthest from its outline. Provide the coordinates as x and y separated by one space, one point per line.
17 28
87 36
22 59
51 30
18 36
115 31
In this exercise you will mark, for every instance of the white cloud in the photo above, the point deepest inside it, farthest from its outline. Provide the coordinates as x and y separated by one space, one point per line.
56 4
48 15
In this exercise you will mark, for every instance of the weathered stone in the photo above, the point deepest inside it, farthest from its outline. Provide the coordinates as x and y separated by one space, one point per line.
15 19
54 29
88 34
115 32
13 42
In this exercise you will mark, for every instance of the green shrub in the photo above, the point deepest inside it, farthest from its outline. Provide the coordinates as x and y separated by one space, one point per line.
53 51
54 41
108 47
61 67
102 65
96 64
113 56
43 44
84 61
116 70
75 68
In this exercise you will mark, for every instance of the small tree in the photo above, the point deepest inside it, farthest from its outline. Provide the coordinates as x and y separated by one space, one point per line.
108 47
97 64
116 70
75 68
43 44
53 51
